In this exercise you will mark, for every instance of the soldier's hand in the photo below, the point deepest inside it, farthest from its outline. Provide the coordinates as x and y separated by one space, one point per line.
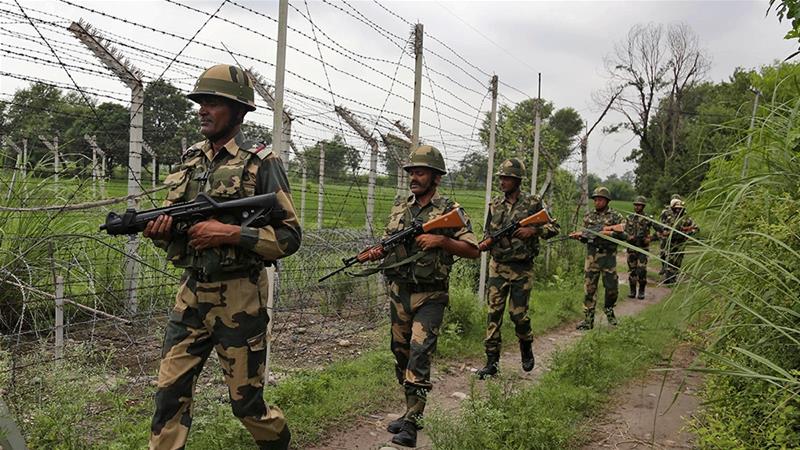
484 245
525 232
213 233
429 241
159 229
575 235
371 254
607 232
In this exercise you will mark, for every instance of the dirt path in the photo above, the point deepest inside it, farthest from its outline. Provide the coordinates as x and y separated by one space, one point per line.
644 415
451 379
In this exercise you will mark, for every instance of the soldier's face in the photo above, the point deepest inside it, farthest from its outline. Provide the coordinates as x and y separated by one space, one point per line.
422 180
600 203
638 207
217 116
508 184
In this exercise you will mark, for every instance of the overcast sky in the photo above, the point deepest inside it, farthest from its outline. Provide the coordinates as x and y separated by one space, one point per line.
361 44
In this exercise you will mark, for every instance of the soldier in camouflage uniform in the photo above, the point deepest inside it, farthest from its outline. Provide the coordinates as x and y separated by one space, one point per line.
665 218
417 276
511 268
221 302
601 256
637 227
675 238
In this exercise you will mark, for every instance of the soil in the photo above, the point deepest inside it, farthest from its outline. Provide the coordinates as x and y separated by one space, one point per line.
452 380
644 414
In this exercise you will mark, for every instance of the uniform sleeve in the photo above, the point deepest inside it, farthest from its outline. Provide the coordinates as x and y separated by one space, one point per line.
280 239
622 236
465 233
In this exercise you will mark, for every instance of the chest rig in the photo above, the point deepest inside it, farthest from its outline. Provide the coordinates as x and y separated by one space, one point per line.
510 249
227 177
408 263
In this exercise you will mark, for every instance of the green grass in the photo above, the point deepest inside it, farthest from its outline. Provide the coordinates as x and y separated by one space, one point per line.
551 413
314 401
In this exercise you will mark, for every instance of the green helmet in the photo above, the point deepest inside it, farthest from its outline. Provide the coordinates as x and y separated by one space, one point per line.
512 167
426 156
226 81
640 200
675 196
601 191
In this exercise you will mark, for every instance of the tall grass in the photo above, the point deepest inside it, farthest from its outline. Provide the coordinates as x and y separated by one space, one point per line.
749 270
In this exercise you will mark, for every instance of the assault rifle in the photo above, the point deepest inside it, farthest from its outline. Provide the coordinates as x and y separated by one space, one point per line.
589 235
539 218
256 209
453 219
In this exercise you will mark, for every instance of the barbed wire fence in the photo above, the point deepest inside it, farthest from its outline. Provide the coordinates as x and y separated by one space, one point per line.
69 293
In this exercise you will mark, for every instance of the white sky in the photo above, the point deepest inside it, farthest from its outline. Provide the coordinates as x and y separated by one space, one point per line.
566 41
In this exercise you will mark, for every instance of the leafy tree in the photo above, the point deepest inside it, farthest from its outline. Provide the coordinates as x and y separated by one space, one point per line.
471 169
789 10
338 158
110 124
515 132
168 117
255 132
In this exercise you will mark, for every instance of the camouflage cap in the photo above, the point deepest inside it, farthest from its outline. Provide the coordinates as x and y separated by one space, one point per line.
512 167
227 81
601 191
426 156
675 197
640 200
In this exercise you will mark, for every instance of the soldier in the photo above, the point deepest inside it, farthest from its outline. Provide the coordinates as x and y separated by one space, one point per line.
665 218
675 237
601 256
637 227
220 303
417 278
511 268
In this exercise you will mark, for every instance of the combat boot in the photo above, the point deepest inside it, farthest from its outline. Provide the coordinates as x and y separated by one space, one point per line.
632 290
396 425
407 435
641 290
526 351
492 366
612 319
588 322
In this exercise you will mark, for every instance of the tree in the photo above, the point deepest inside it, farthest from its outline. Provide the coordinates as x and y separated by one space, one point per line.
255 132
338 158
789 10
515 132
168 117
653 71
471 169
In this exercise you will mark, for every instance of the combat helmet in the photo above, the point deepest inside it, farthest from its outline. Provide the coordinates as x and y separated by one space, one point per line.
640 200
227 81
676 203
512 167
426 156
601 191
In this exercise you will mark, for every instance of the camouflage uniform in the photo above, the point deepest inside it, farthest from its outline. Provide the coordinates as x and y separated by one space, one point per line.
511 269
675 243
221 303
418 293
637 227
665 218
601 259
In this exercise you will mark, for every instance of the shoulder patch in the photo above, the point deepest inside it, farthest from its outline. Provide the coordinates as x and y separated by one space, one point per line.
261 150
